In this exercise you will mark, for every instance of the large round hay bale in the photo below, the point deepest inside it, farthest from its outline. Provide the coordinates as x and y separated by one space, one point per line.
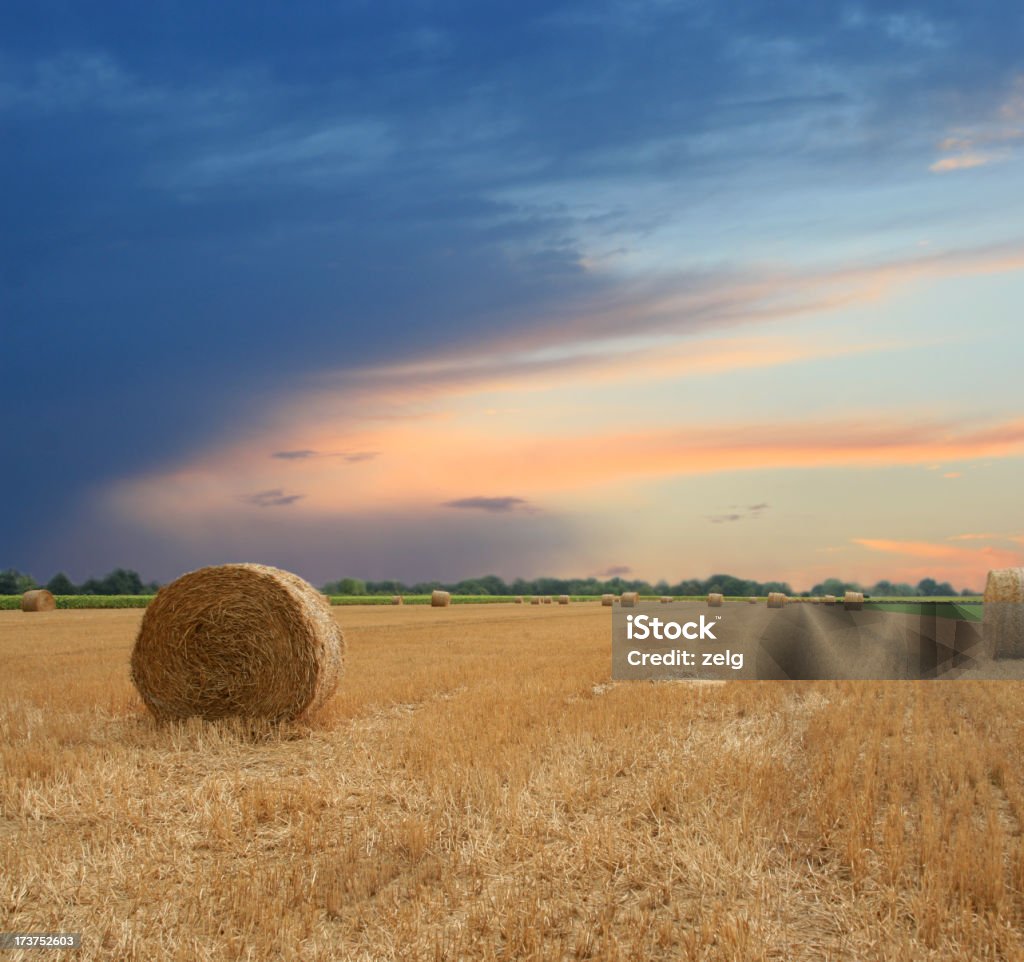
519 600
715 600
829 599
39 599
440 599
666 599
629 599
237 640
776 599
1003 613
535 600
853 601
548 600
607 601
398 600
563 599
752 600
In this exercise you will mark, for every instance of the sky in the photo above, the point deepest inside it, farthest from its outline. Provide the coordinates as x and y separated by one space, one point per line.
429 290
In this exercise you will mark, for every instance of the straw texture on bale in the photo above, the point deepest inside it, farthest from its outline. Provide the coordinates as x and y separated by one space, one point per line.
853 601
715 600
776 599
607 600
563 599
829 599
1003 613
398 600
629 599
39 599
440 599
242 640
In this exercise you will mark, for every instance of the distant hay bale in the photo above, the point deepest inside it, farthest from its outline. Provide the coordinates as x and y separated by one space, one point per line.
853 601
535 601
38 599
440 599
519 600
666 599
1003 613
237 640
563 599
547 599
751 600
776 599
829 599
607 601
629 599
398 600
715 600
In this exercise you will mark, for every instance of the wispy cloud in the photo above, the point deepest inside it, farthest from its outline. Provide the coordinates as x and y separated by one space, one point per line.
294 455
493 505
989 141
274 498
753 511
615 571
353 457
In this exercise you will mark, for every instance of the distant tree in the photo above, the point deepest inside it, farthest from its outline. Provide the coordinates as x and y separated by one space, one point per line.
927 588
345 586
13 582
61 584
968 593
882 589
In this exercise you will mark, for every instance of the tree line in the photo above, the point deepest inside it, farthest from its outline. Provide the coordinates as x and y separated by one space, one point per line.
124 581
722 583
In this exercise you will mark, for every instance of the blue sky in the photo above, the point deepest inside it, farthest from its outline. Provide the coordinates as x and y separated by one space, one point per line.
432 244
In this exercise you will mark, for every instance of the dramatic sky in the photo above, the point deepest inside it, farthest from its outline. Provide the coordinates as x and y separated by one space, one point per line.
434 289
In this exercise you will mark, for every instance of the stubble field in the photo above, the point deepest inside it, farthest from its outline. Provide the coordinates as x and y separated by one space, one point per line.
480 789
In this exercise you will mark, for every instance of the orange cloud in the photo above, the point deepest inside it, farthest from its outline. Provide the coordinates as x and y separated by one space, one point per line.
944 562
961 162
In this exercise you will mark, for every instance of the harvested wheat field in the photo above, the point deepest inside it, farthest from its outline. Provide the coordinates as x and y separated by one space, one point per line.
478 788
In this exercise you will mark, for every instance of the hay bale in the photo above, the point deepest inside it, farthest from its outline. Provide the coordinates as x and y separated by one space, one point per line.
440 599
666 599
326 598
563 599
38 599
535 601
715 600
853 601
398 600
752 600
1003 613
776 599
547 599
629 599
519 600
607 601
829 600
237 640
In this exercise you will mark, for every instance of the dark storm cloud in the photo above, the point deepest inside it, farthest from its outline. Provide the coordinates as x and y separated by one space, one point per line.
208 204
494 505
